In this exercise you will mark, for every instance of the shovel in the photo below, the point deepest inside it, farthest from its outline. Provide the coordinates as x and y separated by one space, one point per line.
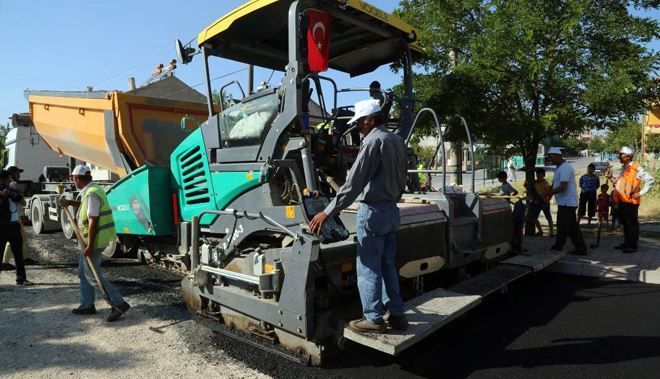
88 260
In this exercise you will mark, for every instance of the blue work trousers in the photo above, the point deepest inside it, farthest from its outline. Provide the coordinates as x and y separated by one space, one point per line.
88 282
378 280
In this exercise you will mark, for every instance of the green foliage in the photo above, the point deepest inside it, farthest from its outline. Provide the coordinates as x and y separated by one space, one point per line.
597 145
525 70
629 134
572 145
653 143
4 129
226 101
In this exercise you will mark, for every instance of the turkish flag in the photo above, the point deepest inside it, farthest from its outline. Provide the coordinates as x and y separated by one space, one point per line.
318 40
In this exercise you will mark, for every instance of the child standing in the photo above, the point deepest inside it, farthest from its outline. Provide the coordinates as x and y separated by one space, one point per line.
603 204
589 184
505 188
542 204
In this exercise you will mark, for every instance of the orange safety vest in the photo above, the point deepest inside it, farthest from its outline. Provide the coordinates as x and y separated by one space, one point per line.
628 184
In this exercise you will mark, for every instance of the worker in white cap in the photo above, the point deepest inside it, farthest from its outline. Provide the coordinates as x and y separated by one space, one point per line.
376 180
564 189
97 227
628 193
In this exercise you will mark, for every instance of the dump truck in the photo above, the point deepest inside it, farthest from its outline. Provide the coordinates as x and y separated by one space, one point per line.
114 132
45 173
230 204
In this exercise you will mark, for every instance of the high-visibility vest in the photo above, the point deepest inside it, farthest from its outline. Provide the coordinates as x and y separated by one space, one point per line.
105 231
628 184
421 176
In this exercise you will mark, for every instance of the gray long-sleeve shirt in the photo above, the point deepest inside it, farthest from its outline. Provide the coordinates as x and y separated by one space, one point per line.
378 173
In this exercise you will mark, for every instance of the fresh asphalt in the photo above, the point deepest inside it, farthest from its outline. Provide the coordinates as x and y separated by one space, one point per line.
545 326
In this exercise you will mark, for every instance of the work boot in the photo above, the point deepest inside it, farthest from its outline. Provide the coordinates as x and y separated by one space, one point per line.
116 314
84 311
23 282
365 326
398 322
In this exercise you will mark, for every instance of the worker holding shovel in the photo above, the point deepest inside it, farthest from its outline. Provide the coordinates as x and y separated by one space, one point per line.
95 230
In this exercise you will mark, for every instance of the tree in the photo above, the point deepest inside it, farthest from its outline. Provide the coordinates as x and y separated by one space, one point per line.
525 70
653 143
4 129
522 70
597 145
629 134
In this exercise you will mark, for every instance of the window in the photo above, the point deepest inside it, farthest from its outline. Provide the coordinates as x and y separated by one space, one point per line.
246 123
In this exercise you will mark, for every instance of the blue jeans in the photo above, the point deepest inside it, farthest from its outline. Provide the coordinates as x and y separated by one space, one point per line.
87 295
378 280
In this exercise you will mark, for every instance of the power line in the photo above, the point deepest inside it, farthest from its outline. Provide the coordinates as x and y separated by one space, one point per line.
212 80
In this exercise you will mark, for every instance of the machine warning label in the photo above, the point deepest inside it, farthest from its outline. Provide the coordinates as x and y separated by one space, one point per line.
290 211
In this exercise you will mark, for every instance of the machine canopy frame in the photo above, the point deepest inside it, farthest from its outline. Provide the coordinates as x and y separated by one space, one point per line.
363 36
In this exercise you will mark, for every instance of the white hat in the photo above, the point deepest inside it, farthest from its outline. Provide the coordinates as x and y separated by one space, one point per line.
81 170
627 150
555 150
365 108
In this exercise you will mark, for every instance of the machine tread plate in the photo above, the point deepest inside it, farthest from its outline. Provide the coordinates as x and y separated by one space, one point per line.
426 314
535 261
492 280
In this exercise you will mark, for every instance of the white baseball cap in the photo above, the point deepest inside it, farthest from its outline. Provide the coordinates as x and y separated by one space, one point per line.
627 150
365 108
555 150
81 170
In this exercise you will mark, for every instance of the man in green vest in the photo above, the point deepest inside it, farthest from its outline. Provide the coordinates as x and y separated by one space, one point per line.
97 227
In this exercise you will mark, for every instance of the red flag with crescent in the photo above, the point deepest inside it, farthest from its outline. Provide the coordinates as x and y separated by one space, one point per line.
318 40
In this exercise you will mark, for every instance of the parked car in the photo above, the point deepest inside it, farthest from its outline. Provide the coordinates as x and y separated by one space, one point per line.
602 167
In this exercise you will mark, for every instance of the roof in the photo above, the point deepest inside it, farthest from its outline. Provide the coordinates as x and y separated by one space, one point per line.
170 88
256 33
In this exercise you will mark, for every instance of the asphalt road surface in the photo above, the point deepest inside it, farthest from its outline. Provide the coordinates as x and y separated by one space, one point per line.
545 326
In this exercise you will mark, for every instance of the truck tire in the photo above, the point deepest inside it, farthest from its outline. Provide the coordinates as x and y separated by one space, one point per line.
37 216
64 221
66 226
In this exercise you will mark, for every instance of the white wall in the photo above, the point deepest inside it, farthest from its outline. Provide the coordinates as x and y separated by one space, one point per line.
27 150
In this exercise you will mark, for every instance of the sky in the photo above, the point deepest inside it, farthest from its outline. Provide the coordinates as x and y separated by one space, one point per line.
69 45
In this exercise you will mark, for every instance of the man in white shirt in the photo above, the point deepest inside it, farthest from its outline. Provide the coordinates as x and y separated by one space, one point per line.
97 228
564 190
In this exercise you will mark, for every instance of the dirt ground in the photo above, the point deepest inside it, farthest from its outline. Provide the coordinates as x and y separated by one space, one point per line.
40 337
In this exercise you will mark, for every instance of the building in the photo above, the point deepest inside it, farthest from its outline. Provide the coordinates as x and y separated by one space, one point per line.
650 123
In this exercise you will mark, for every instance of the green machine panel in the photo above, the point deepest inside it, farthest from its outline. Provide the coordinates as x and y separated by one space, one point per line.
141 202
198 189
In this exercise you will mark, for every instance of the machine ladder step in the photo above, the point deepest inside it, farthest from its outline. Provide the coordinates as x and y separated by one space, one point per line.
536 261
469 247
426 314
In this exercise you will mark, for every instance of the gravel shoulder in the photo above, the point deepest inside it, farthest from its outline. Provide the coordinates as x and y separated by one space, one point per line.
40 337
